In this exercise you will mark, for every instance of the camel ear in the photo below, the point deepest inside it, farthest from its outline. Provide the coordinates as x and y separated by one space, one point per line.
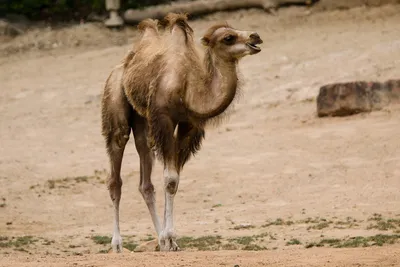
205 41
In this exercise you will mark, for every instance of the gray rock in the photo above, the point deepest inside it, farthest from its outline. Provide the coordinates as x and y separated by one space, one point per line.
343 99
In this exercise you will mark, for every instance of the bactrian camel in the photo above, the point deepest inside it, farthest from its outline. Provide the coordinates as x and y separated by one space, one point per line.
165 92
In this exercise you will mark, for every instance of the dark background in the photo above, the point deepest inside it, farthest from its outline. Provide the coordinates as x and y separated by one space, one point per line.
65 10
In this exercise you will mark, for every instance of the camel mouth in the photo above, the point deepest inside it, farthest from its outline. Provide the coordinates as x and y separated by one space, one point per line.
254 48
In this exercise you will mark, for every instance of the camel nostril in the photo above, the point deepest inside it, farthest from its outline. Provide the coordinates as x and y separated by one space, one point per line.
255 35
255 38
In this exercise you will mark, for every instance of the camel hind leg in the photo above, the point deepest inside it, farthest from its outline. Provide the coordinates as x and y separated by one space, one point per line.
116 118
115 147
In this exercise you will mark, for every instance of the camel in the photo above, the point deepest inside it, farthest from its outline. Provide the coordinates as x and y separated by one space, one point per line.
165 92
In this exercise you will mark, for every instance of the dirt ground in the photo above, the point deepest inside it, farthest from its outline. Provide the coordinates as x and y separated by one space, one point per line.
295 189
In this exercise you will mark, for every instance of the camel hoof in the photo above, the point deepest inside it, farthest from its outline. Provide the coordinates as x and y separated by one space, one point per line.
116 244
169 245
116 249
168 242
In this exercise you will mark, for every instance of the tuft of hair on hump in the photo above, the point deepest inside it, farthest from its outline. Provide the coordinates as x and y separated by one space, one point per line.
128 58
148 23
207 37
179 19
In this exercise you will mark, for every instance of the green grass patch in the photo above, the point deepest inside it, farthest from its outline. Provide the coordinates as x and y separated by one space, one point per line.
243 226
24 241
81 179
315 220
21 249
67 181
242 240
330 241
229 246
248 242
253 247
261 236
348 223
293 241
101 239
278 221
106 240
383 224
18 242
47 242
319 226
375 217
200 243
358 241
130 245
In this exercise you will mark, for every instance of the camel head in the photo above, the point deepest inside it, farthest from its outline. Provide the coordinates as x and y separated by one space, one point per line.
231 44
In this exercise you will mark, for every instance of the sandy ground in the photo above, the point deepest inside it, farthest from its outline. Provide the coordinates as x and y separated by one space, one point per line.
272 159
294 258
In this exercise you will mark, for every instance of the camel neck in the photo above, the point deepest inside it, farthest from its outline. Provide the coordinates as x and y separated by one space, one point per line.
218 90
214 65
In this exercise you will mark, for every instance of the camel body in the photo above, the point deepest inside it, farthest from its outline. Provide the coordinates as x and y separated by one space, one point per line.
165 92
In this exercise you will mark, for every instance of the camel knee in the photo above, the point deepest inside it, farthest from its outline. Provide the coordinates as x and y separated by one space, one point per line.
172 186
171 182
121 138
147 192
114 187
116 139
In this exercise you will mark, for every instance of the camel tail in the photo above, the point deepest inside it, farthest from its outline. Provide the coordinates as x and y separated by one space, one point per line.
180 20
148 23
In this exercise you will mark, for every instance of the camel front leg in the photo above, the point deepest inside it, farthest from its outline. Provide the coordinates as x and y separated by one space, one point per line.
187 142
146 187
162 130
171 181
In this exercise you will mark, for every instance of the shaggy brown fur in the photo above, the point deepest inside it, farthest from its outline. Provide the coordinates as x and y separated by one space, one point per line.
166 93
148 23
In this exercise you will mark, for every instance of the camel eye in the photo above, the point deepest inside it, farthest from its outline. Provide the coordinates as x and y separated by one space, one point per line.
230 39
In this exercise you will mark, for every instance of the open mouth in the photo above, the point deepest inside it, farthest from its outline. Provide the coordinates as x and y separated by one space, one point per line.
254 47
